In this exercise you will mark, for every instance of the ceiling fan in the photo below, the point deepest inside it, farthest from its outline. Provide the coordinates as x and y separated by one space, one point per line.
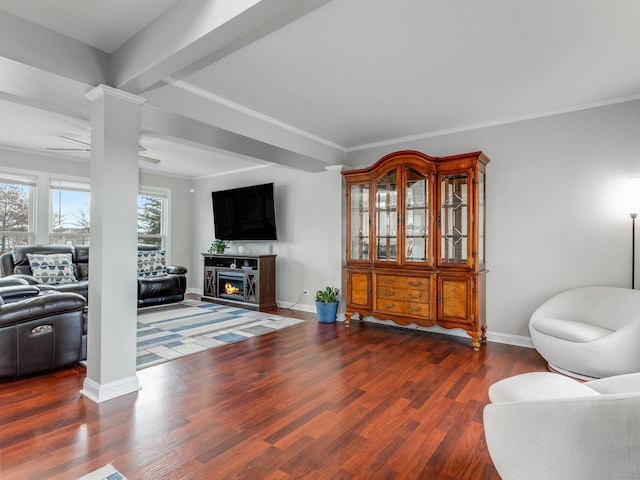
86 147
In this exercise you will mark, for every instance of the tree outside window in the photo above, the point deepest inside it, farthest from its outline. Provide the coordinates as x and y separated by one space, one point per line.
14 215
70 211
151 219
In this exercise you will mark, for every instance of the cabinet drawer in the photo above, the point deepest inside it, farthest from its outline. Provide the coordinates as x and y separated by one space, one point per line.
403 294
405 283
398 307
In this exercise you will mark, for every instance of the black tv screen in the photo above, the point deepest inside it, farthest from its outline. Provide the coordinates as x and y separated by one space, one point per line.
246 213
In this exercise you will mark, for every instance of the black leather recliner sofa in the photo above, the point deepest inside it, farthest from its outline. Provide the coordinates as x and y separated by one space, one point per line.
39 331
156 290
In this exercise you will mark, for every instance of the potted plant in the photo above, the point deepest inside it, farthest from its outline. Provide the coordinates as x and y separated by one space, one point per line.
327 304
218 246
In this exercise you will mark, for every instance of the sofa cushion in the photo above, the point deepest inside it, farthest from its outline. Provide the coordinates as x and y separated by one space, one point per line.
568 330
152 263
52 269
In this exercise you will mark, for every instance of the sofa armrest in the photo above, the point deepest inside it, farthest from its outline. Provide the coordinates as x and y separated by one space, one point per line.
40 307
29 279
12 280
15 293
176 269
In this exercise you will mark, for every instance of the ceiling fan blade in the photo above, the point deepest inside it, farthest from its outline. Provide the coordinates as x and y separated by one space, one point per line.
69 149
75 140
149 160
152 161
140 147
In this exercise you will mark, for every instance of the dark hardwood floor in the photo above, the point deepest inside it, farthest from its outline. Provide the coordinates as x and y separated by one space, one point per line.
316 401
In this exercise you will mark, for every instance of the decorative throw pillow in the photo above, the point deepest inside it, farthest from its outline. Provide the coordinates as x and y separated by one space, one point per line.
151 263
52 269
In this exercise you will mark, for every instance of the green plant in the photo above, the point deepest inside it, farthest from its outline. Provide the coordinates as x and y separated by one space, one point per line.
328 295
218 246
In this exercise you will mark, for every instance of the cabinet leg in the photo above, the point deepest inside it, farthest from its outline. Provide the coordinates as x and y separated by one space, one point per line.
347 319
483 335
475 337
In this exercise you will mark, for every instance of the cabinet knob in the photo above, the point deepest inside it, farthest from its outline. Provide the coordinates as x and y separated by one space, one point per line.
388 293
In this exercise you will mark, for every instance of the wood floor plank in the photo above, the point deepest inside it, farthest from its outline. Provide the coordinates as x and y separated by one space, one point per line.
312 401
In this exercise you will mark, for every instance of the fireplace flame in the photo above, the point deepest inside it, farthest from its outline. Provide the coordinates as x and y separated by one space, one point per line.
230 289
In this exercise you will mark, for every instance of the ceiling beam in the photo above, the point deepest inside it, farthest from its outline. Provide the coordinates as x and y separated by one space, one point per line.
30 44
195 33
199 134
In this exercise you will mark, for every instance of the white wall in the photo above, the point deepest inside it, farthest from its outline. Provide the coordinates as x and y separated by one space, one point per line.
556 216
309 224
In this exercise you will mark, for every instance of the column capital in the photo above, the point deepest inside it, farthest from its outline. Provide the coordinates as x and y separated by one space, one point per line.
106 90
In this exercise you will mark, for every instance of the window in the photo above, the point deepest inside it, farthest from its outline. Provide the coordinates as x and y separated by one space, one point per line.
152 216
62 215
17 194
70 211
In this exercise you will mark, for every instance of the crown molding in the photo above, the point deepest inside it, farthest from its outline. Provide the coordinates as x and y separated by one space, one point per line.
477 126
212 97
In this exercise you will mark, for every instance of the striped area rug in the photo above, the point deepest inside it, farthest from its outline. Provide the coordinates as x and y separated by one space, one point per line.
167 332
105 473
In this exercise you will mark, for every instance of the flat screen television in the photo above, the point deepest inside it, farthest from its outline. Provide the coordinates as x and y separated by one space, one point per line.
246 213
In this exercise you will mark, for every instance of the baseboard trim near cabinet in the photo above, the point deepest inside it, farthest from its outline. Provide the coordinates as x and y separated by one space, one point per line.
495 337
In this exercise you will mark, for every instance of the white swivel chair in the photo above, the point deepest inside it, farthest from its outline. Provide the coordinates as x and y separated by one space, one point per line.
590 332
545 426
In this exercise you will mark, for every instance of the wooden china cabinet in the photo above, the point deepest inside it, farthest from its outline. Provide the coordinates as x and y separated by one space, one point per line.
416 241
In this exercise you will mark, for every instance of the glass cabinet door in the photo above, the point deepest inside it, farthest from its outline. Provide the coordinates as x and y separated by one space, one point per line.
454 218
387 217
416 218
359 222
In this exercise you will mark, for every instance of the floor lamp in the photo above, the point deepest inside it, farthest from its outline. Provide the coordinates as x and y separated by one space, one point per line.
633 199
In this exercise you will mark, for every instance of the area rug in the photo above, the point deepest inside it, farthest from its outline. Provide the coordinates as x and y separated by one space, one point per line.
105 473
167 332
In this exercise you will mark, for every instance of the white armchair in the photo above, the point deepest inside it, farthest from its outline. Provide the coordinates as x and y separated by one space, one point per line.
543 426
590 332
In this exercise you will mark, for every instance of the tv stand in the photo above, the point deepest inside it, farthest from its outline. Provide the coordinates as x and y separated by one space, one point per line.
240 280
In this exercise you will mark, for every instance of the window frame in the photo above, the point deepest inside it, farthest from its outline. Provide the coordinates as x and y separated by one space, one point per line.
41 206
71 184
165 196
31 181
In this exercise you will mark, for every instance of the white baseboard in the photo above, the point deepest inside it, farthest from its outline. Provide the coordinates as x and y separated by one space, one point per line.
495 337
297 306
102 392
509 339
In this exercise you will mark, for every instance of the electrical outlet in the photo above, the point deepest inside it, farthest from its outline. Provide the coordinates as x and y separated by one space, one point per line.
306 292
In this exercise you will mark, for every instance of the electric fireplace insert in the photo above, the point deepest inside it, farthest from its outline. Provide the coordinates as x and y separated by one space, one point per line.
231 285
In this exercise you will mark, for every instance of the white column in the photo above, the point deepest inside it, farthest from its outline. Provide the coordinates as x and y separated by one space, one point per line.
111 339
